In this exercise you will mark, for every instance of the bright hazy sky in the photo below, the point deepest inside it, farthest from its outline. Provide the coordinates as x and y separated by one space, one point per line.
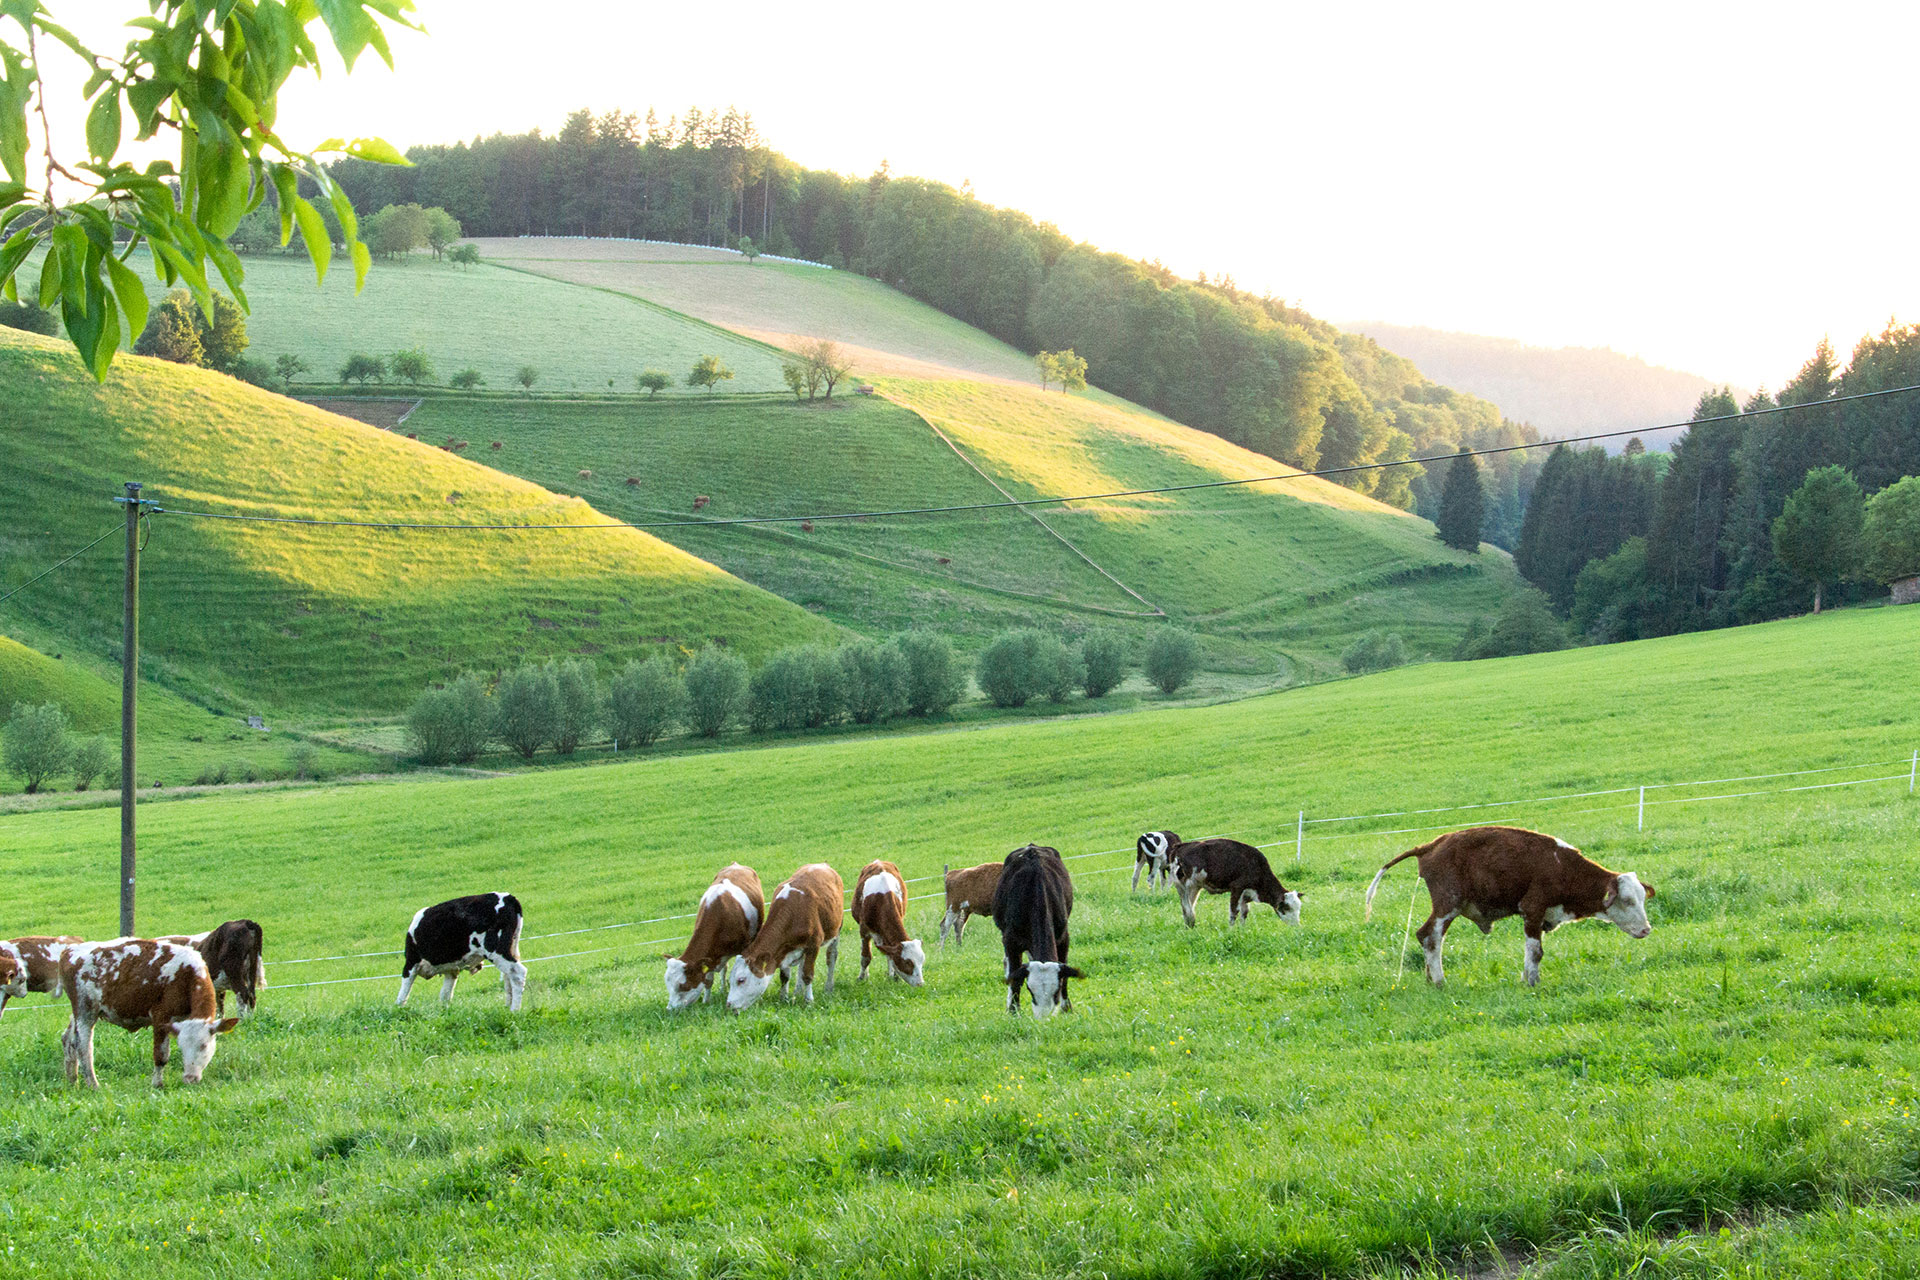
1710 187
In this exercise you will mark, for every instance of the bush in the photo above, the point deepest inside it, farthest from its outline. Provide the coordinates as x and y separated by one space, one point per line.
716 691
466 380
653 381
27 316
1173 657
644 701
464 255
303 761
362 368
1017 666
411 366
1059 668
526 709
874 677
212 776
445 725
936 677
1525 624
577 704
799 688
34 743
1103 657
1375 651
1892 538
91 759
526 375
257 373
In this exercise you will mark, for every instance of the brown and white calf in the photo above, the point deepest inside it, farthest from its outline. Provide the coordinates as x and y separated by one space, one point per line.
1152 853
1238 870
13 976
729 916
1490 873
969 894
232 952
141 983
880 909
803 919
38 960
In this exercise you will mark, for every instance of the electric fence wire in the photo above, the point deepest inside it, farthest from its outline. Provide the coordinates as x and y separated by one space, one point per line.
57 564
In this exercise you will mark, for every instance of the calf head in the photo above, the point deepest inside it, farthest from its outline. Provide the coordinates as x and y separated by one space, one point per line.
1042 979
197 1043
1156 845
13 976
684 986
1626 904
1288 905
907 962
744 986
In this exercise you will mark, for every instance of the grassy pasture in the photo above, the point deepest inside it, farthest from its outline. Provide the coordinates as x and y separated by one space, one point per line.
884 330
278 618
487 318
1257 1101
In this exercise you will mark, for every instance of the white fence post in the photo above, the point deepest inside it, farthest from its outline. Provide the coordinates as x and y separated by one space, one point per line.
1642 820
1913 770
1300 835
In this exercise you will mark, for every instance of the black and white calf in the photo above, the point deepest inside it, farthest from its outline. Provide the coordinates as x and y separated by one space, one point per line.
459 937
1238 870
1030 907
1152 853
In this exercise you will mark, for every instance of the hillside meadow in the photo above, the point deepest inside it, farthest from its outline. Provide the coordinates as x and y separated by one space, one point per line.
1223 1102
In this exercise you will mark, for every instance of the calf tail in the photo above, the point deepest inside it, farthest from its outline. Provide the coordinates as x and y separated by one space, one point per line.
1382 873
259 958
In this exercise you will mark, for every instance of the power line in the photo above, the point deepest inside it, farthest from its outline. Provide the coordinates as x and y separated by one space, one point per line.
1031 502
76 555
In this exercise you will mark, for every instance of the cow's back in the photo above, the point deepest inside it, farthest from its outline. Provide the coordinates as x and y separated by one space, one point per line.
1496 867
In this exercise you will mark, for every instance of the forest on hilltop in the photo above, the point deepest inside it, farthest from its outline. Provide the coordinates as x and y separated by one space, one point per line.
1250 369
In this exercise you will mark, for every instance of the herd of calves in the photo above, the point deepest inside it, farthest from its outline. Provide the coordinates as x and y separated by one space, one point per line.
177 986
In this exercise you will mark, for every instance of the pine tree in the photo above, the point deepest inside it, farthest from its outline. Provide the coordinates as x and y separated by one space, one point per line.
1463 505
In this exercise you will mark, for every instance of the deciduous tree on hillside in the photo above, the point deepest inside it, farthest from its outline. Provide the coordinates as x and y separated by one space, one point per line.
826 365
653 381
442 230
211 73
708 372
1818 533
1892 535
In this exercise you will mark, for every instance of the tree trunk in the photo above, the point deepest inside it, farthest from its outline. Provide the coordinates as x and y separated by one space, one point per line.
1816 598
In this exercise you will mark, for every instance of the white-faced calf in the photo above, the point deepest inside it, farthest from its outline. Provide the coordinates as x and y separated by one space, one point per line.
1490 873
1031 907
1152 853
728 919
803 919
969 894
232 952
40 958
13 976
880 909
1238 870
141 983
461 935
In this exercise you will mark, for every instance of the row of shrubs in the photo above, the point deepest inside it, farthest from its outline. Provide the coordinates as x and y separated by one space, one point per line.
37 745
562 704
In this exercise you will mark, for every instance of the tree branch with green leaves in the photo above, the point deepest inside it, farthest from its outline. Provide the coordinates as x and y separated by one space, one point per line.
210 72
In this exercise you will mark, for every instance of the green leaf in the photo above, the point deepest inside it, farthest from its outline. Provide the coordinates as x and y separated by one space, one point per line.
103 125
362 261
313 232
190 271
286 185
132 293
376 151
51 268
14 252
230 270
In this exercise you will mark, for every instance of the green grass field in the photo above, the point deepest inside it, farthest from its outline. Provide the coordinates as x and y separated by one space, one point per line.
488 318
282 618
884 330
1256 1101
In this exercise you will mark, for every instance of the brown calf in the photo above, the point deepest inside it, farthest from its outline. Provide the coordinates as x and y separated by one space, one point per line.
802 920
969 894
729 916
1490 873
1238 870
880 909
141 983
232 952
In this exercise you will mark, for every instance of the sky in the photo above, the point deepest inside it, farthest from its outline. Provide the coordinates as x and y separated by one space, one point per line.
1711 187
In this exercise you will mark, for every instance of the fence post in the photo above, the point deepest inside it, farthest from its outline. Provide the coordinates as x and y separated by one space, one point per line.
1641 824
1913 770
1300 835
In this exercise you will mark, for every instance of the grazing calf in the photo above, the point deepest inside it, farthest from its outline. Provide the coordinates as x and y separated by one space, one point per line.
730 914
40 957
1030 907
1238 870
802 920
141 983
232 953
459 936
880 909
1490 873
969 894
1152 852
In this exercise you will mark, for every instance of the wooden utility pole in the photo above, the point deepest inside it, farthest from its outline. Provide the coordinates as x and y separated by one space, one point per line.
129 684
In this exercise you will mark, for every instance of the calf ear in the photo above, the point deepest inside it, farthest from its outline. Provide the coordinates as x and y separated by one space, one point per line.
1649 889
1068 971
226 1025
1018 978
1613 893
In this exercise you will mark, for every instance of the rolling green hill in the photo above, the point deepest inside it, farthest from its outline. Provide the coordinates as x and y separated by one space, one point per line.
1752 1057
284 618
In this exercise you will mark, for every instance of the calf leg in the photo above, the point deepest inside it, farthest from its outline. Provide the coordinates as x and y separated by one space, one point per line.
406 986
1189 892
1138 863
806 975
162 1049
866 951
446 987
833 959
946 923
960 925
1535 950
83 1042
1433 936
70 1050
513 975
